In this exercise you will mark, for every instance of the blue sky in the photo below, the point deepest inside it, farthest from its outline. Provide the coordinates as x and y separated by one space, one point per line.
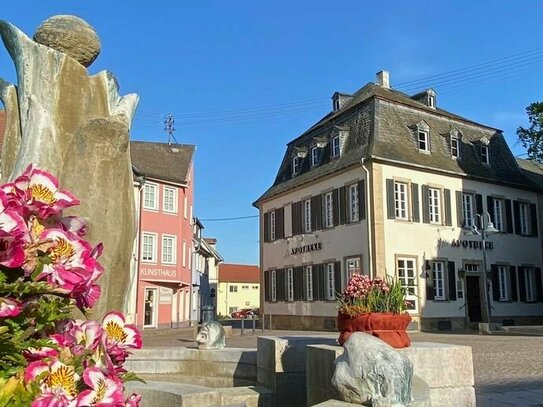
244 78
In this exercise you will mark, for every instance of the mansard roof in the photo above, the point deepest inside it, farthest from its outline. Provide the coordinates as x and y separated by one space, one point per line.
381 124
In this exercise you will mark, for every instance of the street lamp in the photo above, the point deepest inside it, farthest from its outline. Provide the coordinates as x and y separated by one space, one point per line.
487 228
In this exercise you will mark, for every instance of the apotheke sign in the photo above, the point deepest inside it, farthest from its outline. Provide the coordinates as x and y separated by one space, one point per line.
306 248
467 244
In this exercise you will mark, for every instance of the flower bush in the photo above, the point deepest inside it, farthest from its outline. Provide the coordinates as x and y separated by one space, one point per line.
47 270
363 295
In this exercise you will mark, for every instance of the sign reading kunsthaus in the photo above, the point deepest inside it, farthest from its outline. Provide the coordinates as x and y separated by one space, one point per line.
306 248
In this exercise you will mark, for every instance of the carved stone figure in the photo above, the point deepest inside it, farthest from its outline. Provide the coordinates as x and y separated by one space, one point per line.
77 127
372 373
211 336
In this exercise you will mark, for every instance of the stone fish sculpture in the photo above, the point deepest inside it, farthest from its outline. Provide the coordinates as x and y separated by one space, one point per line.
372 373
211 336
75 126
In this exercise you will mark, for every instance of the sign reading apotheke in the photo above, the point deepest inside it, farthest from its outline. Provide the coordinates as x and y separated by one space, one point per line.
306 248
467 244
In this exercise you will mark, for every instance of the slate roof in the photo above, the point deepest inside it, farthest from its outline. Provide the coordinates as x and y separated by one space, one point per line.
239 273
163 161
532 169
382 126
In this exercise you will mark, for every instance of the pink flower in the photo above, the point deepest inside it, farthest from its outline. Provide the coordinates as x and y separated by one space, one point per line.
118 338
41 194
13 232
83 335
9 307
133 400
58 383
104 391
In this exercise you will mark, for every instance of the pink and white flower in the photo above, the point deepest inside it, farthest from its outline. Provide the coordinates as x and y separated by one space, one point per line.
117 333
13 232
83 335
10 307
104 390
133 400
58 383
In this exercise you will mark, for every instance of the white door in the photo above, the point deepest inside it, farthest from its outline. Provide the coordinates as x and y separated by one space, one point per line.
151 309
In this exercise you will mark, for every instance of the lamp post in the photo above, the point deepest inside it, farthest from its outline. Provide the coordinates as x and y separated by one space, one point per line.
487 228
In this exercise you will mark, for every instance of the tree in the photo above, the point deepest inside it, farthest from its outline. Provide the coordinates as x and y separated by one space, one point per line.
532 137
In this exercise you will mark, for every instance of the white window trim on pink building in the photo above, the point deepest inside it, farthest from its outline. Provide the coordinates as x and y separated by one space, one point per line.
150 204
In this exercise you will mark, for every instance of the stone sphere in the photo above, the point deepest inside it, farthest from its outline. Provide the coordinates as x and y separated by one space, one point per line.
70 35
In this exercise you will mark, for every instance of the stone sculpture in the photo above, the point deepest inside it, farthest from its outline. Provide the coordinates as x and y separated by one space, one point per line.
370 372
77 127
211 336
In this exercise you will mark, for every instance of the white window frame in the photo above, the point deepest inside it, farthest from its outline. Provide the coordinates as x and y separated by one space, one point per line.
184 253
455 147
314 156
330 281
290 285
233 288
150 196
401 208
354 205
329 209
407 276
523 218
423 141
273 284
434 202
468 212
307 216
169 207
352 266
296 165
272 226
154 307
336 146
309 282
173 254
438 274
145 250
431 101
529 284
485 155
185 204
497 205
503 283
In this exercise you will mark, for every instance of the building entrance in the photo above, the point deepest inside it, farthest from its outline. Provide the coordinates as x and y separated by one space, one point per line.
473 297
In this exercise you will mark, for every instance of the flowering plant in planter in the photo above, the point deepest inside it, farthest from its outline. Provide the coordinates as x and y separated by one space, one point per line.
47 270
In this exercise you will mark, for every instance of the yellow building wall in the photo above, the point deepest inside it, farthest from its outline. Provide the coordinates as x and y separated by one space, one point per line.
245 295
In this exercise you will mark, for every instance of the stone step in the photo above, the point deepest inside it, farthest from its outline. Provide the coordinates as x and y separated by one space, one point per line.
163 394
249 396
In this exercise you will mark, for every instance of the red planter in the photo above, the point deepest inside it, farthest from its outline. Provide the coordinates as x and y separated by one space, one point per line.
386 326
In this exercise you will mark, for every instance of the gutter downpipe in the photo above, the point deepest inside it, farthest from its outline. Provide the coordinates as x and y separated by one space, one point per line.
141 180
368 217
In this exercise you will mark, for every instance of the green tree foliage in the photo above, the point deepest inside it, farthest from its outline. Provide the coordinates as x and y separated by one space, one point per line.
532 137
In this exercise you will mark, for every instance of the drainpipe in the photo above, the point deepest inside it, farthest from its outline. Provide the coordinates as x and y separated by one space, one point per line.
368 217
141 181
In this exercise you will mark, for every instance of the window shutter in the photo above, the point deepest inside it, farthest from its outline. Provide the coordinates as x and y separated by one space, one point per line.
304 284
280 223
478 204
429 285
522 284
266 227
459 211
281 285
314 212
447 204
343 204
297 277
495 282
490 207
415 202
335 206
451 274
267 286
533 219
322 282
425 204
361 200
296 218
516 217
513 281
539 284
338 284
316 284
391 209
508 216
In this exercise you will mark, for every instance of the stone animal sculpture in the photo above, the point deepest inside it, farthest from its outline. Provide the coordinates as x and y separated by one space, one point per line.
211 336
77 127
370 372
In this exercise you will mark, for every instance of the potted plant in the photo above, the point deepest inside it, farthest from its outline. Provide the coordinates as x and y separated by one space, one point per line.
374 306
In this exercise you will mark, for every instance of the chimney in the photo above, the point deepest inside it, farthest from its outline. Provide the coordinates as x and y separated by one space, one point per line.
383 79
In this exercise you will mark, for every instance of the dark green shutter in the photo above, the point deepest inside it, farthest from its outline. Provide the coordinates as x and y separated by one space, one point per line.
447 204
451 274
490 208
522 284
516 217
459 210
391 209
266 227
508 216
297 280
280 223
415 202
513 280
479 205
425 204
335 206
533 219
267 286
495 282
538 284
315 218
343 205
338 284
361 200
322 282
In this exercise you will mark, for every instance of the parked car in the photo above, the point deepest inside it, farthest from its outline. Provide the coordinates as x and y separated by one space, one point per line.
242 313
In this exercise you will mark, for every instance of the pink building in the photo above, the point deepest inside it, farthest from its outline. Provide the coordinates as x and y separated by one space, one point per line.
164 190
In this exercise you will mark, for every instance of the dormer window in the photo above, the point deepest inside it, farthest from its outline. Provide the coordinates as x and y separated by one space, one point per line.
335 104
423 136
314 156
455 144
485 156
296 165
432 101
335 146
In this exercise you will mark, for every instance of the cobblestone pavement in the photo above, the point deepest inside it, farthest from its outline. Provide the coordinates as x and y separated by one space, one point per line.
508 369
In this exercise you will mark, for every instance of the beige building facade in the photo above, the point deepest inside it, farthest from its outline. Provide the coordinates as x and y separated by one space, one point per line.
391 185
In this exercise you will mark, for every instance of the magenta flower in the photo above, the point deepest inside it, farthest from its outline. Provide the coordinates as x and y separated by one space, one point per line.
83 336
133 400
104 390
13 232
117 333
58 383
10 307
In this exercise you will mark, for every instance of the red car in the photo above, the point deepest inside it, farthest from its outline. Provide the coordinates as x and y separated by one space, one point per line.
242 313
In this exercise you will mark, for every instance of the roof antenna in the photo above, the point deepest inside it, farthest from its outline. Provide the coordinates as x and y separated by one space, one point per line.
169 128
